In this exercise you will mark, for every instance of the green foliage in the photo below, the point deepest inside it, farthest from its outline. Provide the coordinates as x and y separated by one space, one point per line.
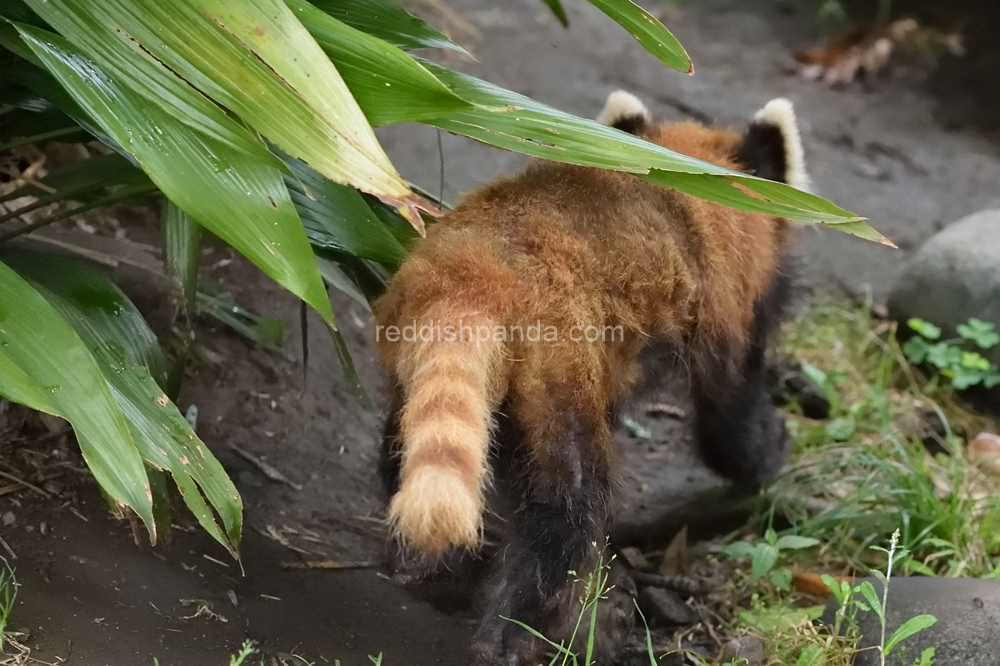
908 628
849 604
594 588
246 650
861 474
865 476
961 367
8 596
764 556
796 638
811 655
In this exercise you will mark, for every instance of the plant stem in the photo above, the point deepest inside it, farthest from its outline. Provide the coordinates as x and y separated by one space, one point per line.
885 592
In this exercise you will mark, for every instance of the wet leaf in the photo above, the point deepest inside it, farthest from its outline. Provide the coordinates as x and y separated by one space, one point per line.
236 55
389 85
129 357
386 20
647 31
46 366
337 217
241 199
514 122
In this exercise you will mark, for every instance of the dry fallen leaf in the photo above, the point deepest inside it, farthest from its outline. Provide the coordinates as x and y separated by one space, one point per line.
676 557
634 558
809 582
984 450
867 51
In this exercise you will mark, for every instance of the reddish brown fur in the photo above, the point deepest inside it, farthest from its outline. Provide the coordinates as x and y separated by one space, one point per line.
565 246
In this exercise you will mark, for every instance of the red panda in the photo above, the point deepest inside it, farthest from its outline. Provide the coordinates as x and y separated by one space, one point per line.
511 334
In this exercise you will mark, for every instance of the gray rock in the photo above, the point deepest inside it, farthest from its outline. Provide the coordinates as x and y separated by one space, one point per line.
953 276
748 648
665 608
967 632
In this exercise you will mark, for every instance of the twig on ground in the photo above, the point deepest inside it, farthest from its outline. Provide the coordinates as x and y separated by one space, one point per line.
684 585
266 469
328 564
10 551
11 477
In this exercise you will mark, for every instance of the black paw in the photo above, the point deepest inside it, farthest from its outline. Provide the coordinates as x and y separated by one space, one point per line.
788 383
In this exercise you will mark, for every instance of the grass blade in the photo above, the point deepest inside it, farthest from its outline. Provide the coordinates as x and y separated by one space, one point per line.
350 372
909 628
181 254
265 331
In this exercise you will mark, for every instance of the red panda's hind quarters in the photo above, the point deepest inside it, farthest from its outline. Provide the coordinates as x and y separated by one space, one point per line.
512 332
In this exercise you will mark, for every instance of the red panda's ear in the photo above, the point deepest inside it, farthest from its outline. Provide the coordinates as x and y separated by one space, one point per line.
624 111
771 146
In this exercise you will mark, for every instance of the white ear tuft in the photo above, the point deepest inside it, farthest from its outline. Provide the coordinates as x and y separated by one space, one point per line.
779 113
622 105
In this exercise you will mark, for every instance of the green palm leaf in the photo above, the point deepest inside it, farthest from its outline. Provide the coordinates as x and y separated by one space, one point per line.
46 366
386 20
238 55
129 357
389 85
242 200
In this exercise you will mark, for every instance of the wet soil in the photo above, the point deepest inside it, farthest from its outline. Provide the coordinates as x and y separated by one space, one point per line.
897 150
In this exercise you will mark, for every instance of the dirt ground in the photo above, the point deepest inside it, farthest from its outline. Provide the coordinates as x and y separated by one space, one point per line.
907 151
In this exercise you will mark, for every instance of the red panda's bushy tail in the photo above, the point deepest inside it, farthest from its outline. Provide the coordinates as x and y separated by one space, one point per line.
449 389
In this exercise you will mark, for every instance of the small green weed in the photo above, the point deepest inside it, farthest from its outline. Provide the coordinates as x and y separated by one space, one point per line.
8 595
888 466
764 556
248 649
12 652
849 604
864 472
796 638
595 589
954 360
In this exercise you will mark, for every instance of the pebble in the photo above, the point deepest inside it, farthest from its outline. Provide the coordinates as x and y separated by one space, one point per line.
665 608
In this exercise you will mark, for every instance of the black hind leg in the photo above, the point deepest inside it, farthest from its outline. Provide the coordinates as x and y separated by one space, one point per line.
738 431
389 455
560 487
